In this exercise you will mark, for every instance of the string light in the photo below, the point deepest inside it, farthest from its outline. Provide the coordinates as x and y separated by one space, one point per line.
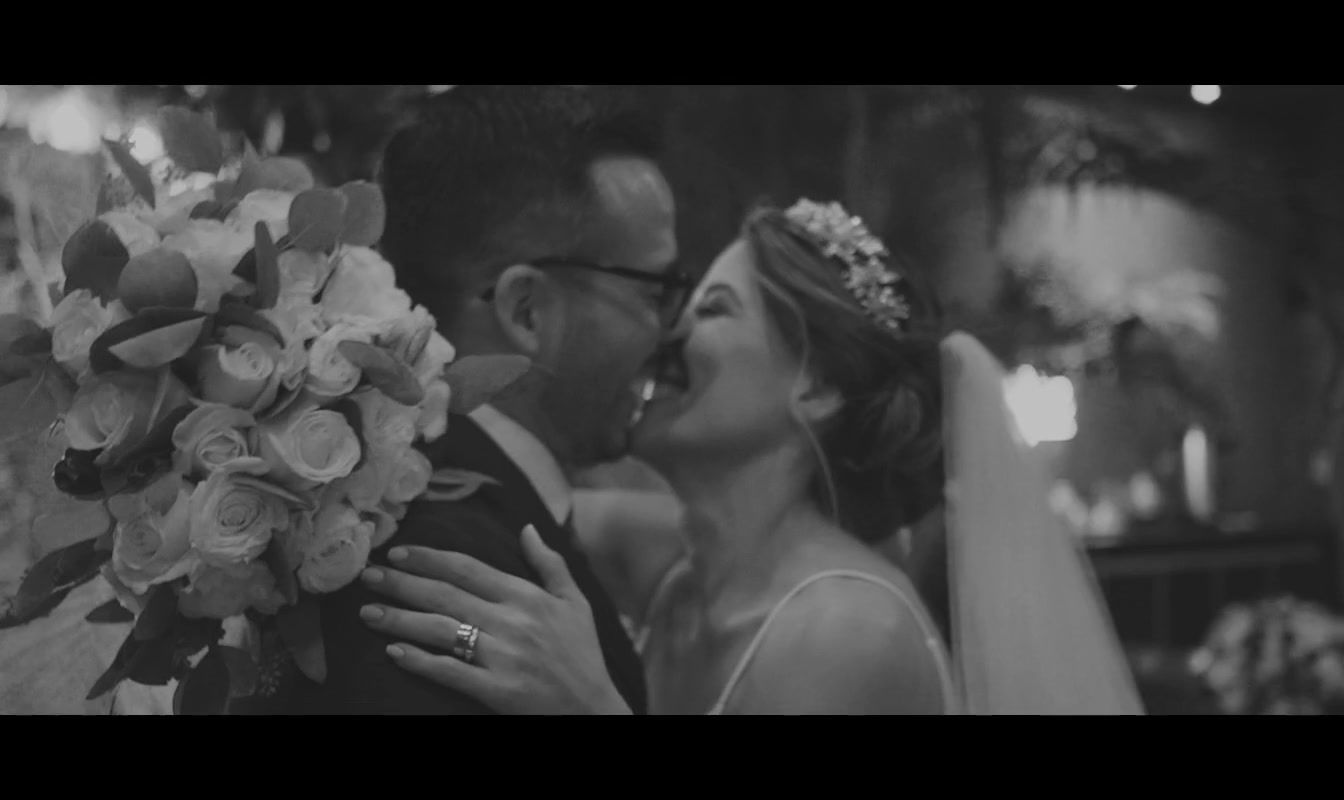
1206 93
1127 87
1044 407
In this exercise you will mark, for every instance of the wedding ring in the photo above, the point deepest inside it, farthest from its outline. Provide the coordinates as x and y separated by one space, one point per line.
464 648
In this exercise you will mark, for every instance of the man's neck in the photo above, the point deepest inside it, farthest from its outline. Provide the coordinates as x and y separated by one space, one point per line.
532 457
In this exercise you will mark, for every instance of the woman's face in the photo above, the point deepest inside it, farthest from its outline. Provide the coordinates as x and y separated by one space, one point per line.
731 393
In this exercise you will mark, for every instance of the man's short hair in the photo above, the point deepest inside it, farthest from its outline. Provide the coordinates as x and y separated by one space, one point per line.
492 175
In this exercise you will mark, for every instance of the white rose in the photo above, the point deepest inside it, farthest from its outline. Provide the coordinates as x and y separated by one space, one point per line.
270 206
433 419
331 374
438 354
234 516
214 250
308 446
220 592
216 437
76 322
384 517
364 285
333 552
408 475
135 234
386 425
302 273
152 543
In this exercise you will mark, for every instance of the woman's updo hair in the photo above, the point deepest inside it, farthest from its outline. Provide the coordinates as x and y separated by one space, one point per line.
881 454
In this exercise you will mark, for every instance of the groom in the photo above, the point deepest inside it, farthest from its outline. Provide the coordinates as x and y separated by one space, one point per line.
532 221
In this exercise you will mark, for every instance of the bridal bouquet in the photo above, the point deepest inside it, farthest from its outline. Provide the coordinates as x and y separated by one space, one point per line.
242 387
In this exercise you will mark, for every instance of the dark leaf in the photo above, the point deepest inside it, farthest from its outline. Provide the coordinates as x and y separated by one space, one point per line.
191 140
315 219
148 319
116 671
157 618
237 312
12 620
58 570
111 612
268 269
161 346
77 474
207 209
300 628
387 374
243 672
22 336
365 213
134 171
247 267
205 690
154 663
93 258
476 379
285 582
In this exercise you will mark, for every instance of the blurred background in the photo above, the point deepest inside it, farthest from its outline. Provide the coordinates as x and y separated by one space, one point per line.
1160 268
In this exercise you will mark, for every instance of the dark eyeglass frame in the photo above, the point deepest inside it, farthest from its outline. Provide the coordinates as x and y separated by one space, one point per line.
675 283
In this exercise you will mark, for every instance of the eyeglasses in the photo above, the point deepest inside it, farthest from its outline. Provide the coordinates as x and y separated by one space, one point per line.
675 283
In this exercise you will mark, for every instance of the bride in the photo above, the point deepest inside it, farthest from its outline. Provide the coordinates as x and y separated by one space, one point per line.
797 418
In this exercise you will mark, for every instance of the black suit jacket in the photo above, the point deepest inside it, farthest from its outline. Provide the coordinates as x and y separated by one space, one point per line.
363 679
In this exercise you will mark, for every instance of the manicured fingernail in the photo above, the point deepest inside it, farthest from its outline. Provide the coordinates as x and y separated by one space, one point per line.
371 613
372 575
395 652
397 554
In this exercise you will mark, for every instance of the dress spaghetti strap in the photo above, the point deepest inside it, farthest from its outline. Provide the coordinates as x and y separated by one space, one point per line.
931 637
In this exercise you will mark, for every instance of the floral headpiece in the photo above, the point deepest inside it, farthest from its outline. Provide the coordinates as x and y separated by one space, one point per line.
843 236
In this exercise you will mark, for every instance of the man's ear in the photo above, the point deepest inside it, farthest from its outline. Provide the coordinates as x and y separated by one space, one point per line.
523 300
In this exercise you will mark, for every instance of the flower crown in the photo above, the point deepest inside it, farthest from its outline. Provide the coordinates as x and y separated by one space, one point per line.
843 236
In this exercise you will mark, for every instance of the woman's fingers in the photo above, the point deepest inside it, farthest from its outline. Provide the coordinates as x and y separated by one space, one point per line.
426 594
550 565
432 630
447 671
463 571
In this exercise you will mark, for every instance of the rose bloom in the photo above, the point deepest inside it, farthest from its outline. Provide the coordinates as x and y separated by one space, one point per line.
220 592
363 285
152 543
217 437
113 411
331 553
331 374
247 369
234 517
76 322
308 446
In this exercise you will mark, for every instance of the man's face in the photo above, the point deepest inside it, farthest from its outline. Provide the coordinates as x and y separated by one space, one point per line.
613 322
